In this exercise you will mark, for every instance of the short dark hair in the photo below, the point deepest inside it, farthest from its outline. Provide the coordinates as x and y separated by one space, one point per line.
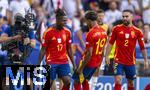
60 12
127 10
91 15
100 11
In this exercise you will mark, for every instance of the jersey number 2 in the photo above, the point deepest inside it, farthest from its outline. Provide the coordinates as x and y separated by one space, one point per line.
126 43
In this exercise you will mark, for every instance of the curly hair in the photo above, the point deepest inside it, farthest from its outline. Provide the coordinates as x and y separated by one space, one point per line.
91 15
60 12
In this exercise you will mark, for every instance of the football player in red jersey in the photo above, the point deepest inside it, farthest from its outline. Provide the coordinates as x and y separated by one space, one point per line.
56 45
95 42
126 35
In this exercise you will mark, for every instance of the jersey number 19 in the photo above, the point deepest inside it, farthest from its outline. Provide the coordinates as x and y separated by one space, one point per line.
99 45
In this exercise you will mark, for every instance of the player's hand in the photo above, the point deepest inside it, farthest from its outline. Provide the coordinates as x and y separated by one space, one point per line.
79 70
107 60
17 37
26 41
146 65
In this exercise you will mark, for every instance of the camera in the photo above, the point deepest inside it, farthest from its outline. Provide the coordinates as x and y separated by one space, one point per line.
22 26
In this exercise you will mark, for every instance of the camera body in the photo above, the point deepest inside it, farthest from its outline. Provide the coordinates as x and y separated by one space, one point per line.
23 26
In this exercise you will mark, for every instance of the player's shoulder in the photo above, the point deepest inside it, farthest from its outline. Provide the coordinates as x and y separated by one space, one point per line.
92 31
50 29
67 30
118 26
137 29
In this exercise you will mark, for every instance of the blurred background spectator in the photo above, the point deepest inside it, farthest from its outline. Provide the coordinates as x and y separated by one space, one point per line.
146 10
112 14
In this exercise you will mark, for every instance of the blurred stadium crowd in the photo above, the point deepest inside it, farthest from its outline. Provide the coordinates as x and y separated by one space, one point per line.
44 11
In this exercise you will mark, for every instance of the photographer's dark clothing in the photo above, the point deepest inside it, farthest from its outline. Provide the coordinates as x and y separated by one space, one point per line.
11 32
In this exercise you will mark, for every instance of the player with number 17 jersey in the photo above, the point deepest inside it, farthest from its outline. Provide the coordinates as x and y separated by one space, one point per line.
96 38
56 43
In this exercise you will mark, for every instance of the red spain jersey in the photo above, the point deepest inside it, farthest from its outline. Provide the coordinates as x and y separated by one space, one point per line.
56 42
96 38
126 38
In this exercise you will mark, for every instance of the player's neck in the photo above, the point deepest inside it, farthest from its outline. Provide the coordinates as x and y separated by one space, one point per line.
130 25
58 27
93 24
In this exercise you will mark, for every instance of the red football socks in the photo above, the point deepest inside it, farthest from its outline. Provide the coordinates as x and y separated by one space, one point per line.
117 87
86 85
66 87
77 86
130 88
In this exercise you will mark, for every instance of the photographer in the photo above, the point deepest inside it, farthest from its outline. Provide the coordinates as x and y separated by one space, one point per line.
20 36
17 41
3 54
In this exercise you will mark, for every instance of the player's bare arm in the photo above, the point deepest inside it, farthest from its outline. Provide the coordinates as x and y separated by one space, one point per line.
70 54
108 50
143 50
87 57
146 65
4 38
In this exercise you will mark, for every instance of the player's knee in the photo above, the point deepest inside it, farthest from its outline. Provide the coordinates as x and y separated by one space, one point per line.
66 81
118 79
130 83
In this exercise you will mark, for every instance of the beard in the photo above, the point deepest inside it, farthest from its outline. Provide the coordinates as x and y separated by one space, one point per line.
126 23
100 22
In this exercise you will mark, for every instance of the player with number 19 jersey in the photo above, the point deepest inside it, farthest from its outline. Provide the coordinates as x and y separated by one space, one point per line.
96 38
56 43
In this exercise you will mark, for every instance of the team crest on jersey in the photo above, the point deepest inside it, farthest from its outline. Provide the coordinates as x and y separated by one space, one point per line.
126 35
59 40
132 34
